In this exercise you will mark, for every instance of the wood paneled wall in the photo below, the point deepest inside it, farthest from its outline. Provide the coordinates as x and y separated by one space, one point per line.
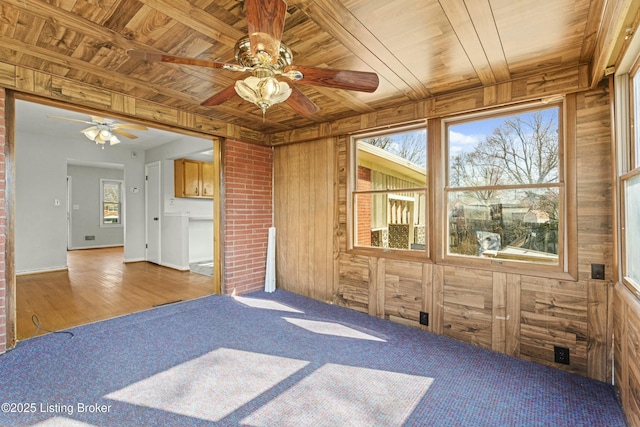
63 91
515 314
304 218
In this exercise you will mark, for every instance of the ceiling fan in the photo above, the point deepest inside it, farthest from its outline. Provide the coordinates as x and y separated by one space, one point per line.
263 54
102 130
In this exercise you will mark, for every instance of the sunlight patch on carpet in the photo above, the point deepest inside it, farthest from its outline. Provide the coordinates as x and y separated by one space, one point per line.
337 395
266 304
211 386
331 328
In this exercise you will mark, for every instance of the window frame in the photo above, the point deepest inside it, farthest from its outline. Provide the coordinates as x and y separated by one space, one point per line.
629 282
422 254
566 268
120 222
436 223
629 165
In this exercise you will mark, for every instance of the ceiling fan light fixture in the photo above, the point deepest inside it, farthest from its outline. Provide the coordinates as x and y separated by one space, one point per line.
91 134
263 92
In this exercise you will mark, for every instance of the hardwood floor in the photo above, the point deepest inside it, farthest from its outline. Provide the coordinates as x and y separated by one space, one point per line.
98 286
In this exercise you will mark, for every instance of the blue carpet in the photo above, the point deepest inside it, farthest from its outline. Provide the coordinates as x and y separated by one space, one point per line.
282 360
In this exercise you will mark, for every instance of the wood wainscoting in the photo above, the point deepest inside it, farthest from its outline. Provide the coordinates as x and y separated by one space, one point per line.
98 285
518 313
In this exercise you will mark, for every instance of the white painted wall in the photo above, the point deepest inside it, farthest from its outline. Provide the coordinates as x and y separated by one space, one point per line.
41 178
86 206
199 228
175 253
200 240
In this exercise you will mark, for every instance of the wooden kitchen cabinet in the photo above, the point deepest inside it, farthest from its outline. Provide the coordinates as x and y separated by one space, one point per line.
193 178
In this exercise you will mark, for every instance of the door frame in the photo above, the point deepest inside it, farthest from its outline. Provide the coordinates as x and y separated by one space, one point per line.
10 190
69 208
158 177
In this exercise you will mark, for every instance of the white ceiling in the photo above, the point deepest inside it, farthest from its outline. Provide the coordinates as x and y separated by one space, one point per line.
34 118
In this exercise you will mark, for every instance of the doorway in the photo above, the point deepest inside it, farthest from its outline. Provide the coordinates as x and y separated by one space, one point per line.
44 149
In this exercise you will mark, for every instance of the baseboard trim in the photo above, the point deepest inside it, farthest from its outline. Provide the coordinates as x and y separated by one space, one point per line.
175 267
79 248
41 270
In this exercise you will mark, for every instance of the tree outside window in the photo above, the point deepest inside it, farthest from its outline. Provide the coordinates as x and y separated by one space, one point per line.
504 186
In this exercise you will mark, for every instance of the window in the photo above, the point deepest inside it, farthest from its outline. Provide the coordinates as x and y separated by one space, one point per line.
389 191
630 191
111 199
504 187
487 189
631 197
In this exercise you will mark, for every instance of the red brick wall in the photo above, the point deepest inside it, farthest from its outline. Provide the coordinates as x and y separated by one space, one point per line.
3 231
364 207
248 187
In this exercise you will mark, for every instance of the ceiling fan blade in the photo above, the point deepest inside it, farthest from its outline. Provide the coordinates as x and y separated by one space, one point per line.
90 128
71 120
129 126
161 57
361 81
300 103
124 133
220 97
265 19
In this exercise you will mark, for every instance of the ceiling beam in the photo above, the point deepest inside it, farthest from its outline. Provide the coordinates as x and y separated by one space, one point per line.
114 40
198 19
610 33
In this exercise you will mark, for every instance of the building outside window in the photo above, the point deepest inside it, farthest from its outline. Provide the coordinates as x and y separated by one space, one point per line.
390 191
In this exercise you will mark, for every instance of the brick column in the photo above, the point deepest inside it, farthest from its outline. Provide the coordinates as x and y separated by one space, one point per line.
248 187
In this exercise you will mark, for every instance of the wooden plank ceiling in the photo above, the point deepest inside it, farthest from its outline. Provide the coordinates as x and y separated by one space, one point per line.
418 48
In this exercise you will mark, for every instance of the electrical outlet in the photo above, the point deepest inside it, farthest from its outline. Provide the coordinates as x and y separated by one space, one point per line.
561 355
597 271
424 318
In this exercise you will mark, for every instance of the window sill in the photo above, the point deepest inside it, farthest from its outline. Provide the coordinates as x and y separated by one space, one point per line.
399 254
514 267
111 225
503 266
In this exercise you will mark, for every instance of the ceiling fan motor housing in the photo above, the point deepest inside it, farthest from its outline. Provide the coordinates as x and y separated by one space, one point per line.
245 58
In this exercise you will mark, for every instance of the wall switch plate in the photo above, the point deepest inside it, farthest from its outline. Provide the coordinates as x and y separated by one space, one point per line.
424 318
597 271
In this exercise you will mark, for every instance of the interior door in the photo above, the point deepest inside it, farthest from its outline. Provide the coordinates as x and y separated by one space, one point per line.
152 210
69 201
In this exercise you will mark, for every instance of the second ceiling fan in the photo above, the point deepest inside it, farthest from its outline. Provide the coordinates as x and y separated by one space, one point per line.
264 55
